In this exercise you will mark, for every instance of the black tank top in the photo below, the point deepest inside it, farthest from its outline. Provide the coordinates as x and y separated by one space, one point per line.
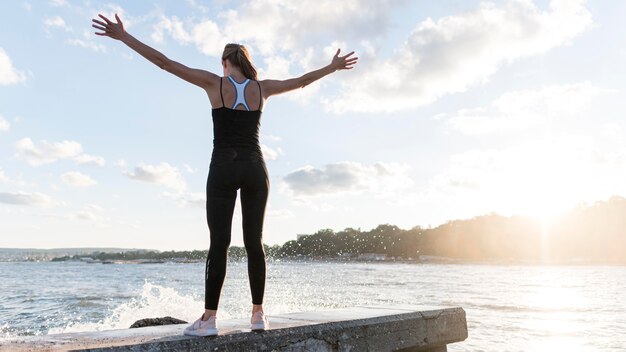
236 132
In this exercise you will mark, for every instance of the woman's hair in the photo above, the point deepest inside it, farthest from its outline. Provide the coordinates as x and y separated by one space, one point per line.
239 56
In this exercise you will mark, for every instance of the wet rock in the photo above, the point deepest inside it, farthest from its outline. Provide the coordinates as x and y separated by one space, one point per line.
156 321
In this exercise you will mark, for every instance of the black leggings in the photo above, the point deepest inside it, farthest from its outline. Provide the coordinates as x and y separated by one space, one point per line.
225 177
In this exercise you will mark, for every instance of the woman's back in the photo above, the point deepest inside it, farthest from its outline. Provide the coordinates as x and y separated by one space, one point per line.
236 121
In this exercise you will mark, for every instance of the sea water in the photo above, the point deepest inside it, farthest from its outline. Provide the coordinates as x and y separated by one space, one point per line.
509 308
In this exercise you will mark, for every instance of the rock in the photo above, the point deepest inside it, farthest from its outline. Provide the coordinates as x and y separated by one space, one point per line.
156 321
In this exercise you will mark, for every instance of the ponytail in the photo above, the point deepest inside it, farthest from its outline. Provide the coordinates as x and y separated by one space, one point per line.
239 56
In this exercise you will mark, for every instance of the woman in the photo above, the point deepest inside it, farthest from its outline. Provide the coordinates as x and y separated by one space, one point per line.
236 162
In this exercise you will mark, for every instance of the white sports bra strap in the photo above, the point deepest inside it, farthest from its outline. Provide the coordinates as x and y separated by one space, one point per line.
240 96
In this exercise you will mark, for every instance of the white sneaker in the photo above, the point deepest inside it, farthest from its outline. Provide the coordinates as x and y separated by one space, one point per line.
202 328
259 322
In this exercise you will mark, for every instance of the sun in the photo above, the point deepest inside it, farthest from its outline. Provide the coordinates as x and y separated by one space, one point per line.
540 180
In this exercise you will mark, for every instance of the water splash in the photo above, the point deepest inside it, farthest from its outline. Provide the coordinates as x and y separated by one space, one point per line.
153 301
6 332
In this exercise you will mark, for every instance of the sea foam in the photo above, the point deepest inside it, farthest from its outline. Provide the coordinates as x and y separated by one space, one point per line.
153 301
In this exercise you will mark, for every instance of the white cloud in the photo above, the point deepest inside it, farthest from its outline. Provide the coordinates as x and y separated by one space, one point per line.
15 182
87 45
90 212
347 176
281 30
188 199
525 108
110 9
319 206
204 34
272 137
57 22
538 177
163 174
611 130
208 38
58 3
27 6
94 207
89 159
34 199
87 41
276 67
459 51
269 153
8 73
87 215
197 6
174 27
283 25
4 124
189 169
77 179
48 152
280 213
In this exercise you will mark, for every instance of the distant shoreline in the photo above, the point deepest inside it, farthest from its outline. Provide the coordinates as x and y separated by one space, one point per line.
88 260
588 235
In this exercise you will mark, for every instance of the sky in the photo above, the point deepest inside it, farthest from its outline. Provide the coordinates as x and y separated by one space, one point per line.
455 110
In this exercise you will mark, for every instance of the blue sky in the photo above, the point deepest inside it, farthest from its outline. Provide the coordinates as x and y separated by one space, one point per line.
454 110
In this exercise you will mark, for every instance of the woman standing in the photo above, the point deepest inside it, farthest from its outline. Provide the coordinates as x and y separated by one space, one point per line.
237 162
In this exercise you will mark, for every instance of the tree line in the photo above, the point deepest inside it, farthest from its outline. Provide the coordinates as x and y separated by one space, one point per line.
588 233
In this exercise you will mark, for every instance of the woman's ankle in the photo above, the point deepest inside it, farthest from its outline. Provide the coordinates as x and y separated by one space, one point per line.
257 308
209 313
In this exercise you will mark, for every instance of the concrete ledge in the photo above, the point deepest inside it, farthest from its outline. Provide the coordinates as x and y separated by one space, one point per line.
362 328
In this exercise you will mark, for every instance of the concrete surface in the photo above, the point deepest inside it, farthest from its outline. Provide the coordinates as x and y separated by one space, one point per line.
405 328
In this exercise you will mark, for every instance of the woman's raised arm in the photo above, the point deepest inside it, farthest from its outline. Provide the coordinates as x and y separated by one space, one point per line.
273 87
201 78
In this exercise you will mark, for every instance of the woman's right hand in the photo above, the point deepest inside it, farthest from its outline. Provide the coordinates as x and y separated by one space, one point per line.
110 29
343 62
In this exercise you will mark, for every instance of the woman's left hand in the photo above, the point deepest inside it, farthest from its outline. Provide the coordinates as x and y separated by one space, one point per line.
110 29
343 62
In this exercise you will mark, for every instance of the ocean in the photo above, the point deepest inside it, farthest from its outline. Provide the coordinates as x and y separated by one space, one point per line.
509 308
